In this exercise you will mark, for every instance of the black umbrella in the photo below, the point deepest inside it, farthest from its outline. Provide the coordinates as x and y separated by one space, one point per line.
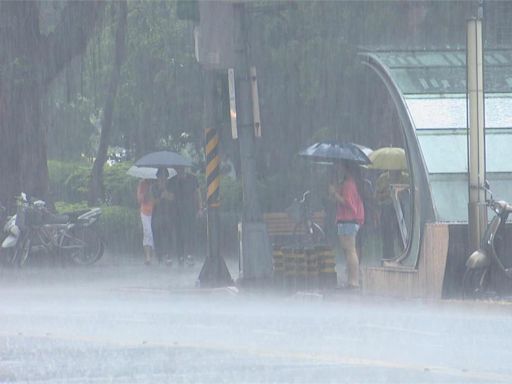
336 151
163 159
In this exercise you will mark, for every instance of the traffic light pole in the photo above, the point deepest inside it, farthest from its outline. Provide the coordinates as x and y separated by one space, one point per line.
214 272
255 262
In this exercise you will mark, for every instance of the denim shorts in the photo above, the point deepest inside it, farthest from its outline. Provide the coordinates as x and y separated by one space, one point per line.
347 229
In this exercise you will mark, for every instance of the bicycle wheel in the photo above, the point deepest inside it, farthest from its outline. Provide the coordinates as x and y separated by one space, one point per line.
84 245
308 234
318 234
475 282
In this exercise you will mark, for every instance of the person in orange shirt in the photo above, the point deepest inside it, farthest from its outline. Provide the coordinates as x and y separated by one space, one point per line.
349 216
146 205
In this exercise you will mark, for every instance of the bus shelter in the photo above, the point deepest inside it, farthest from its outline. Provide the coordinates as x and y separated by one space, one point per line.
419 104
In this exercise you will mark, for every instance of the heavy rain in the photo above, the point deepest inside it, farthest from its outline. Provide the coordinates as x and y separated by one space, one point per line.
248 191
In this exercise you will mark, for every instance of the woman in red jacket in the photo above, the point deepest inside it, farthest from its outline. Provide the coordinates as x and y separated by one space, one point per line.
349 217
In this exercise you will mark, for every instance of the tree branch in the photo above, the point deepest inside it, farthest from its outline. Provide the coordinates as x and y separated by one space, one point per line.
70 36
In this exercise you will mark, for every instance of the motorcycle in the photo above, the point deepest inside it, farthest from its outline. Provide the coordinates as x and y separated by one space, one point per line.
476 281
34 229
6 254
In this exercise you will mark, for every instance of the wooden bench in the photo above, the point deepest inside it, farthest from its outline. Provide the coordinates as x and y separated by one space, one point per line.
280 226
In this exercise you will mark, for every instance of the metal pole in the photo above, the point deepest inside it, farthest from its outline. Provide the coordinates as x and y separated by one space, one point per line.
255 249
477 211
214 272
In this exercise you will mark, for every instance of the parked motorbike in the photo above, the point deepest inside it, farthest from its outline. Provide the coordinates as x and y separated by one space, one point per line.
492 251
35 229
6 254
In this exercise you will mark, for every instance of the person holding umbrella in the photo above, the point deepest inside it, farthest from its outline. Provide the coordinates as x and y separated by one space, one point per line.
189 207
164 193
349 216
146 204
393 164
343 190
388 218
144 197
164 214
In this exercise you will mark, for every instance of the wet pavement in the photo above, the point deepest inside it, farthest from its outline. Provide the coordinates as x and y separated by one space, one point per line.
122 322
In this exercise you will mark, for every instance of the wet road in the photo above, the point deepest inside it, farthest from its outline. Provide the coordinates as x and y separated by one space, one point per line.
122 322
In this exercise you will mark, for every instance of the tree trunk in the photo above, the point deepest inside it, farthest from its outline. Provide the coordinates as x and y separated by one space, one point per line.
29 61
20 91
96 184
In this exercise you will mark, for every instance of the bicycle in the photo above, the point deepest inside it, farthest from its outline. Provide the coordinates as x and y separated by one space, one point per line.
306 231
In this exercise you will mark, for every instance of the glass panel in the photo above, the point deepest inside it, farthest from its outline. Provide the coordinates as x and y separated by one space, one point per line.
449 113
450 192
441 72
446 152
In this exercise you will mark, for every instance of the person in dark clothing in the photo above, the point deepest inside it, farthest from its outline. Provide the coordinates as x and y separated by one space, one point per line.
188 204
390 232
164 215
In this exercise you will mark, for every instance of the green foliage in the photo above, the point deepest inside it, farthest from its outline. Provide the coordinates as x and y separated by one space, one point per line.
74 129
121 228
58 172
62 206
67 180
187 9
160 94
76 185
70 182
119 187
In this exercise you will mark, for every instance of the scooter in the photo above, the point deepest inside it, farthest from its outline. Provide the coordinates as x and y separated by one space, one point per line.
34 228
476 282
11 231
6 222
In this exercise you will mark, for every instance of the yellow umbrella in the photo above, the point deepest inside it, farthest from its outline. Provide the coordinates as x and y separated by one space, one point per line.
390 158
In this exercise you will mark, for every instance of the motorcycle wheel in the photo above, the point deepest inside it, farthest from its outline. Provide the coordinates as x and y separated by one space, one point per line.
22 253
475 282
90 245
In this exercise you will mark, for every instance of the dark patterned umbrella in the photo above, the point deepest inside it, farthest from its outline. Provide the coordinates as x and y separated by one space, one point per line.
336 151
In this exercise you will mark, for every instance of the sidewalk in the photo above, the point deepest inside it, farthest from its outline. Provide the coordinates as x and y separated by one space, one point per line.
129 274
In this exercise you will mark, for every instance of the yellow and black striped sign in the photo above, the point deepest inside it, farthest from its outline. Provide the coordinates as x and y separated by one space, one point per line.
212 168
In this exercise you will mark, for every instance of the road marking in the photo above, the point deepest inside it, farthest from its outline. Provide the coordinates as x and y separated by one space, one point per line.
400 329
282 354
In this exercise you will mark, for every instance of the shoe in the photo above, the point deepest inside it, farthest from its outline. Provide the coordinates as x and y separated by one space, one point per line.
181 261
168 261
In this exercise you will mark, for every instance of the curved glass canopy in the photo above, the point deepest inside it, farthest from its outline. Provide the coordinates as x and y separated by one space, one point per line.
433 87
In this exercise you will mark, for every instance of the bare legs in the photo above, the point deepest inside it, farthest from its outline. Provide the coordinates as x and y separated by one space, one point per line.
147 238
348 244
148 254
